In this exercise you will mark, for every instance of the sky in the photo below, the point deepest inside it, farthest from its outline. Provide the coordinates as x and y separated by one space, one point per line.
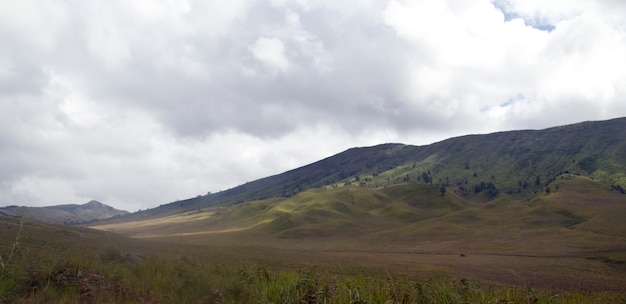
144 102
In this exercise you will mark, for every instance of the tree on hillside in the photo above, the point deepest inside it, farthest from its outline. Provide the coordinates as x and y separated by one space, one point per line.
442 189
489 188
426 177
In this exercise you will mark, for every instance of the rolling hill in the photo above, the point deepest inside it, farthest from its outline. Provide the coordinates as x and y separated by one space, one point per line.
580 216
64 214
517 164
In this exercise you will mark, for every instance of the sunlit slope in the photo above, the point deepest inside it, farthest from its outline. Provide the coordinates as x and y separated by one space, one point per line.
578 217
354 211
345 211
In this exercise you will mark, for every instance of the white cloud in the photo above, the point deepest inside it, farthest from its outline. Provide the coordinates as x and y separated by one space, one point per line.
106 40
141 103
473 56
41 22
270 52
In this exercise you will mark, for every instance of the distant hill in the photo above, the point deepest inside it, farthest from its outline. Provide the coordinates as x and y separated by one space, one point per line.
64 214
479 168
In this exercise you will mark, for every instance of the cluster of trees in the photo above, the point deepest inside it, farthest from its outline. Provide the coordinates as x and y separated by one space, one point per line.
489 188
425 177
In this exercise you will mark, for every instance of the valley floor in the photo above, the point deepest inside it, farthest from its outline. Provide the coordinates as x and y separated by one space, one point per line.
562 272
77 265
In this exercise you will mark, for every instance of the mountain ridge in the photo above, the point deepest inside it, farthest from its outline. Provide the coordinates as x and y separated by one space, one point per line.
518 163
67 214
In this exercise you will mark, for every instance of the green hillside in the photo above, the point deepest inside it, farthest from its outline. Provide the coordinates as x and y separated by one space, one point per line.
518 164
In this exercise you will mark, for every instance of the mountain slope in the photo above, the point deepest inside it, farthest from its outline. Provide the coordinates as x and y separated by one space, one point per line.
478 167
533 158
580 217
64 214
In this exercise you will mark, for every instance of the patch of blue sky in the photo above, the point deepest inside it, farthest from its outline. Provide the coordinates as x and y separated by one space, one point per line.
513 100
509 13
505 7
546 27
509 102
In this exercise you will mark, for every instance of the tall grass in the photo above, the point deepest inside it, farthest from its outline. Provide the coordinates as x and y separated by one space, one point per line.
158 280
6 276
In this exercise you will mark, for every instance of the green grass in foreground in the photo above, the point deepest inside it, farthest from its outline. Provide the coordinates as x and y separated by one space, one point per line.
110 278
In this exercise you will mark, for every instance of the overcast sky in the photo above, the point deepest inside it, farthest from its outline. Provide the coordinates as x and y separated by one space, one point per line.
140 103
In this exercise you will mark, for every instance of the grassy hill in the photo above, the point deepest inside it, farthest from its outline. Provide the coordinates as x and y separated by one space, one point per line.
518 164
580 216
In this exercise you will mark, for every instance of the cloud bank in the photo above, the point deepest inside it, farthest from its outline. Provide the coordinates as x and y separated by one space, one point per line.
139 103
